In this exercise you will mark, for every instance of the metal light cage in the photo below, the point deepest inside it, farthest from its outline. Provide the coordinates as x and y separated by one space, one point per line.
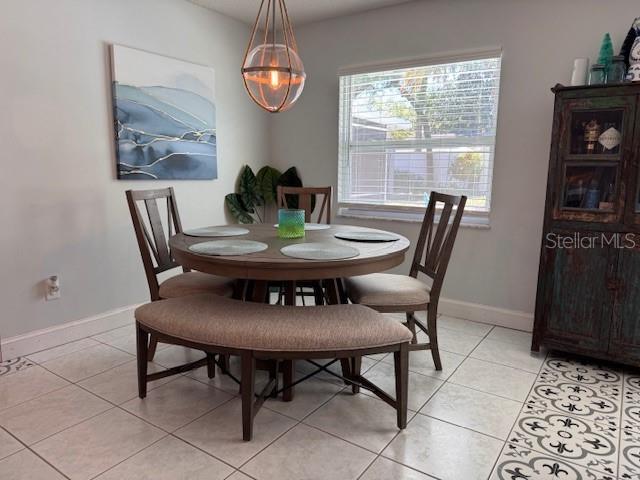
272 70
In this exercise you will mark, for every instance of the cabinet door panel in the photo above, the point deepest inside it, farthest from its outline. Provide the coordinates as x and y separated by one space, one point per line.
625 338
580 301
632 218
595 136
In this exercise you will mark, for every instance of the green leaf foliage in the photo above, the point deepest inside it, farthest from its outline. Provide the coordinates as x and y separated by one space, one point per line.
290 178
248 187
237 209
267 179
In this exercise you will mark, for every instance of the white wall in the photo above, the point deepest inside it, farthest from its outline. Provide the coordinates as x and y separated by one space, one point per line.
62 211
496 267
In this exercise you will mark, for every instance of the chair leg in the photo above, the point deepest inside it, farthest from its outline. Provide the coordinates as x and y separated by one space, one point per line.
356 369
239 289
225 361
345 363
411 325
211 365
401 367
432 315
248 363
142 339
342 291
318 294
287 379
274 373
153 345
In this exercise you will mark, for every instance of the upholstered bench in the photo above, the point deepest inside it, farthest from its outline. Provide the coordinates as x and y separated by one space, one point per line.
254 331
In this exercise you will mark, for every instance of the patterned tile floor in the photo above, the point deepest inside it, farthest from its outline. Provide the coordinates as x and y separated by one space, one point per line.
495 412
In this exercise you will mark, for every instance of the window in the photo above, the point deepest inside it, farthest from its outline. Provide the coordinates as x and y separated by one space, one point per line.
407 131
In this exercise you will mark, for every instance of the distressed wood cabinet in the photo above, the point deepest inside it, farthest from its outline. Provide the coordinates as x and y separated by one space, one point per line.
588 299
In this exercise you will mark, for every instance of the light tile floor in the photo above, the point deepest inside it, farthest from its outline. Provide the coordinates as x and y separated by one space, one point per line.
495 412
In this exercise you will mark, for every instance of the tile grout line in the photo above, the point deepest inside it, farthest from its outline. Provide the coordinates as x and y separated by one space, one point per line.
131 456
28 356
299 422
524 404
167 433
98 344
116 406
380 454
468 356
28 448
418 413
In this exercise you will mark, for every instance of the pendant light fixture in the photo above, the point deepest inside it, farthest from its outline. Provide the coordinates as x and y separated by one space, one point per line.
272 70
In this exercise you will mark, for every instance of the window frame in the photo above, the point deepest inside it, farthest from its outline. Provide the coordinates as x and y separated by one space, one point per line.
411 213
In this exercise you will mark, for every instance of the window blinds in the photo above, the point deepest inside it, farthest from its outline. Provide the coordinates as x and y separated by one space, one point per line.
408 131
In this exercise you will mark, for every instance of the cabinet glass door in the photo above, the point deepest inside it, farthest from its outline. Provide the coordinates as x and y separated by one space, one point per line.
590 186
596 135
596 132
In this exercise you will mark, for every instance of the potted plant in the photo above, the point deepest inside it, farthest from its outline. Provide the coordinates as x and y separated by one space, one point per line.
256 192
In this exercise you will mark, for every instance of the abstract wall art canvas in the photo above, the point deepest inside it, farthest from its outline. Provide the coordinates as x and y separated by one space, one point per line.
164 113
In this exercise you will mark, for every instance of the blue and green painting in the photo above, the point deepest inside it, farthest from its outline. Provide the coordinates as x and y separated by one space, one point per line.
164 112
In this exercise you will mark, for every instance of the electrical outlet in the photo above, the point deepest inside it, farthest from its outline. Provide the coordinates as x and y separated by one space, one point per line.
53 287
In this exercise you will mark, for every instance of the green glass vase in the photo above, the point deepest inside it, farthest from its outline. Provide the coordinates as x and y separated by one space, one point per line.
290 223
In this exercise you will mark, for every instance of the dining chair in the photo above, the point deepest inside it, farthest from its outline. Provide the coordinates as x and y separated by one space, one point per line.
307 200
391 293
156 255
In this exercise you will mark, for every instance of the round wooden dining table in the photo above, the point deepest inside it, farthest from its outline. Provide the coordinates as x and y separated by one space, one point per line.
271 265
256 271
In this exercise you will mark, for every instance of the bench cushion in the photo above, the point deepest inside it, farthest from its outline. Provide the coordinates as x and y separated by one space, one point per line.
192 283
223 322
387 289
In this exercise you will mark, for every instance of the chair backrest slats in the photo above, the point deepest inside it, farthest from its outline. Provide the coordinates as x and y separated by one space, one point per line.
152 241
435 242
305 202
159 238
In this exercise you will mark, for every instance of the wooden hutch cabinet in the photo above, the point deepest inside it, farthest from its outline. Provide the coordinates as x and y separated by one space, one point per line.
588 299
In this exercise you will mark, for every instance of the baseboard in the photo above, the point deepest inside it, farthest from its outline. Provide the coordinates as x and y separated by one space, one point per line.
486 314
37 340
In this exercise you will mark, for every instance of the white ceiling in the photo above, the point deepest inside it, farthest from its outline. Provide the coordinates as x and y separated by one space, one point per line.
300 11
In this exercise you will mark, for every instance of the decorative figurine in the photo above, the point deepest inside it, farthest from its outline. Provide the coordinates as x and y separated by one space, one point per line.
592 131
631 51
633 33
633 73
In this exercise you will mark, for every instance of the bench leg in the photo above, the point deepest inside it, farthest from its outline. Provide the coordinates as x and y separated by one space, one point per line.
142 338
248 365
401 367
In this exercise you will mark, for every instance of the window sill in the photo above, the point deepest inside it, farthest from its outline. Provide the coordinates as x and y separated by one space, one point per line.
478 221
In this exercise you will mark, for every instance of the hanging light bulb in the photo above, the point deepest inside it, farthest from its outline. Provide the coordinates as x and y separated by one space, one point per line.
272 70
